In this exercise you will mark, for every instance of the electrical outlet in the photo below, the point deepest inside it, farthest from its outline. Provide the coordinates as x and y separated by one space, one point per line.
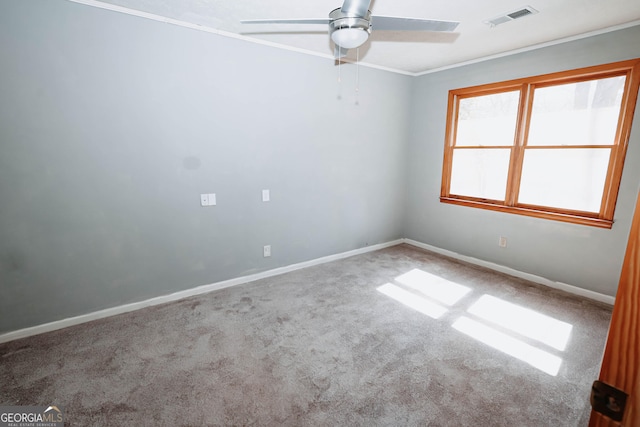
267 251
502 242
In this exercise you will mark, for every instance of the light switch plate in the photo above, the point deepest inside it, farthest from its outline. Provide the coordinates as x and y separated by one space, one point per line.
204 200
266 196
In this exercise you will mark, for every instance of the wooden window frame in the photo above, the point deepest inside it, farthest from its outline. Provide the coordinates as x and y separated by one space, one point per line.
526 87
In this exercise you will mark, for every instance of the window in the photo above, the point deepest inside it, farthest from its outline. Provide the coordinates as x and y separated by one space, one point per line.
550 146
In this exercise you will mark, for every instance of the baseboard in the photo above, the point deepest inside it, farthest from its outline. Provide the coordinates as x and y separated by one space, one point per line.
101 314
108 312
513 272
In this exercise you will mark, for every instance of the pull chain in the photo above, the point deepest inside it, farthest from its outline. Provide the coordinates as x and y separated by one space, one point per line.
357 76
339 78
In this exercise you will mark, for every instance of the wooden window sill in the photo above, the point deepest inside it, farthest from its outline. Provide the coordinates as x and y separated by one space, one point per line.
569 217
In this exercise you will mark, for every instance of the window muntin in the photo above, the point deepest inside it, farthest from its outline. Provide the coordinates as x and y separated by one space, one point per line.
550 146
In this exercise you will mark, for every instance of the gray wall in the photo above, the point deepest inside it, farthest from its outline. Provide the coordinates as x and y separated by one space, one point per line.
582 256
112 125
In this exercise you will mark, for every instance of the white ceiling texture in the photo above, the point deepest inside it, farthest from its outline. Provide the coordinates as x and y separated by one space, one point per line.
407 52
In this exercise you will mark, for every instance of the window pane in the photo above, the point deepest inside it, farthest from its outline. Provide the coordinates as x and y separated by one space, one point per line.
480 173
564 178
488 120
584 113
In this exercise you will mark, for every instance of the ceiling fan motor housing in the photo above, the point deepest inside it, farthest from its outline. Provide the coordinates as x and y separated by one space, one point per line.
349 31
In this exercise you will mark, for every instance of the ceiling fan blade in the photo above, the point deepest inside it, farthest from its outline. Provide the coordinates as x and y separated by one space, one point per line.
391 23
339 52
356 7
324 21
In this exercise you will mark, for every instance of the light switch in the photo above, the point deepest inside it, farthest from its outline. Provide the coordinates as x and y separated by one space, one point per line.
212 199
265 196
204 200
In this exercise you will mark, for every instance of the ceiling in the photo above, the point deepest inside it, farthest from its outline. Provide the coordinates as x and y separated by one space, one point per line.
406 52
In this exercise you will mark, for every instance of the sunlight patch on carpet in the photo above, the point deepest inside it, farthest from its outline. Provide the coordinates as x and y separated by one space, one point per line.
535 357
505 326
435 287
412 300
523 321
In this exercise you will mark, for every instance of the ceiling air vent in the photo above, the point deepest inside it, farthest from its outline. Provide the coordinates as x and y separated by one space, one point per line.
516 14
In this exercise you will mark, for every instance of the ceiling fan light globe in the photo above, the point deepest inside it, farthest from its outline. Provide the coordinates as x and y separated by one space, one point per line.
349 38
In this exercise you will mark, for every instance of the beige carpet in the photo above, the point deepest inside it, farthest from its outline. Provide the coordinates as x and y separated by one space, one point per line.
328 345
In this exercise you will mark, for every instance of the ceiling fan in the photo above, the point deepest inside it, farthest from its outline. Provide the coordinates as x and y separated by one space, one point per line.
351 24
